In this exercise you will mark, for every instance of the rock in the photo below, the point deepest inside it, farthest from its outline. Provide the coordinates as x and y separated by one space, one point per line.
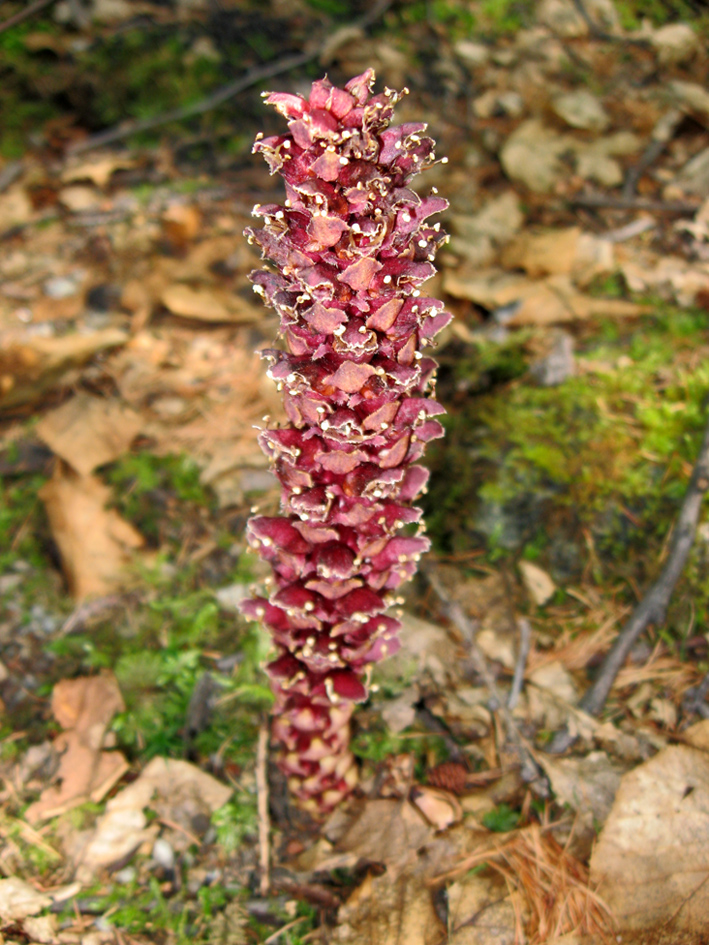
596 161
564 19
693 178
60 287
230 597
558 365
163 854
580 109
79 198
494 103
531 155
691 96
478 236
472 54
675 43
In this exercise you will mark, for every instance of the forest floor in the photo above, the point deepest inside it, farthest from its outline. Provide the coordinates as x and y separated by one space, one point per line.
134 707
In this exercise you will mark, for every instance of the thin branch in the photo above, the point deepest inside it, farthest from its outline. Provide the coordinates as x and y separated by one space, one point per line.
9 174
24 14
662 134
596 32
264 823
266 71
694 701
652 609
525 642
606 202
530 769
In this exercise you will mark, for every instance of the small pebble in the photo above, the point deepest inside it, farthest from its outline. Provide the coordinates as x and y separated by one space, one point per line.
126 875
60 287
163 854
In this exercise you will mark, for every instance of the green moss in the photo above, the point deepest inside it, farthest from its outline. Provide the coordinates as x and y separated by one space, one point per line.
602 457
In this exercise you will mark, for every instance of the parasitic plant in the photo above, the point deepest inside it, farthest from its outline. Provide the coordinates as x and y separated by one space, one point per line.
351 245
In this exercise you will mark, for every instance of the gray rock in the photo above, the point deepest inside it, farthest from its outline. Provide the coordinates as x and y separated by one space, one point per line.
532 154
580 109
675 43
558 365
60 287
163 854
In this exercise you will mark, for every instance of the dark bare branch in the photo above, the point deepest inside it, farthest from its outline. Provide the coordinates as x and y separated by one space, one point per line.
266 71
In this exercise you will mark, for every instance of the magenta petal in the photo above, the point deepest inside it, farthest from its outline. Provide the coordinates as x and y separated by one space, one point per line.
348 686
350 376
360 274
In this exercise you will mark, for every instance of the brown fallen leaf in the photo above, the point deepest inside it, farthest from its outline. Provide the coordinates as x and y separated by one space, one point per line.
30 369
94 542
207 305
481 912
440 808
382 912
18 899
167 786
651 862
550 301
99 169
537 582
560 252
89 431
83 707
181 223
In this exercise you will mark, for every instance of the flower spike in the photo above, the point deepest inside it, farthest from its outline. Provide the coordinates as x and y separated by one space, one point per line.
351 247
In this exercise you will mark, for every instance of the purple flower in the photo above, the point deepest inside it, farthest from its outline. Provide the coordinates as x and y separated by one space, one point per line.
351 246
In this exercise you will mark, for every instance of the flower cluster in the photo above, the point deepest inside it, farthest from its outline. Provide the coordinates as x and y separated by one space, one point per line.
351 245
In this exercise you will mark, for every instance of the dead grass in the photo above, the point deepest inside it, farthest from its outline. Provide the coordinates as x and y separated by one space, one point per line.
548 885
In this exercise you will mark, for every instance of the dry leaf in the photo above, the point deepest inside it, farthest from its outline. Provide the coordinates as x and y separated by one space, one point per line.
94 542
18 899
207 305
480 912
587 784
99 170
181 223
123 828
382 912
537 582
388 832
88 431
560 252
651 862
30 370
15 208
440 808
83 707
526 302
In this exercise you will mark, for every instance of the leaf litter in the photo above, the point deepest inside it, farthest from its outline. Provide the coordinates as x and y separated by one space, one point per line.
144 341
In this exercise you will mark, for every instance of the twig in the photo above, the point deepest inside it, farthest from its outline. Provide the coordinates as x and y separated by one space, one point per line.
597 33
662 134
630 230
694 700
277 934
653 607
264 825
9 174
266 71
606 202
24 14
525 641
89 610
531 772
